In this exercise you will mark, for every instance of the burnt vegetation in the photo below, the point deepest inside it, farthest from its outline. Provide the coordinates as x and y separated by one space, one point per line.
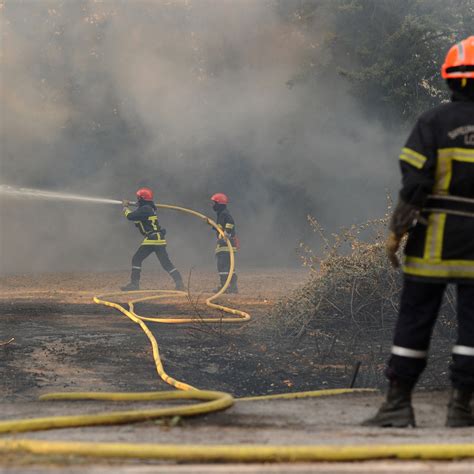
346 312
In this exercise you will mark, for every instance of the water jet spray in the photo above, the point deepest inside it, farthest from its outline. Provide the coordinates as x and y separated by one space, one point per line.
26 193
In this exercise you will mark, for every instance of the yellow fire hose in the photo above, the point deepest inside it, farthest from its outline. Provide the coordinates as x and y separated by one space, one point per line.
210 401
241 452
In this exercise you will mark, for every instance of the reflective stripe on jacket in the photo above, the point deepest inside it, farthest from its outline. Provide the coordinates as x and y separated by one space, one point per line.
227 224
437 166
146 221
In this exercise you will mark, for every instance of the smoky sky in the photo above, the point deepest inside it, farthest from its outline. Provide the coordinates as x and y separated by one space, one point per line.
191 98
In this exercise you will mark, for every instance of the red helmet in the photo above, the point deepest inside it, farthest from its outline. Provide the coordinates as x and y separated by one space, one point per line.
145 193
459 62
220 198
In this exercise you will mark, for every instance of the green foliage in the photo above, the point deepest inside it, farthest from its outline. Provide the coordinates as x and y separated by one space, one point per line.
388 51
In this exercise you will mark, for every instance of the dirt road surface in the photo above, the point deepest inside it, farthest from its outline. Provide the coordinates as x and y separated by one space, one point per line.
64 342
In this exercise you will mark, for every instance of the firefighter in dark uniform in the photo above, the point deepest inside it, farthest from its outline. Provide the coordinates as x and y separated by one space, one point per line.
146 221
436 210
226 223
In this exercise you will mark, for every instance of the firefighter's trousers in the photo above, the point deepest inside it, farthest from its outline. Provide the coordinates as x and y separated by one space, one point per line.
223 268
419 307
160 250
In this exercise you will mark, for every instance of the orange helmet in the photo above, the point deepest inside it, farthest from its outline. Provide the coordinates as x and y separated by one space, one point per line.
145 193
220 198
459 62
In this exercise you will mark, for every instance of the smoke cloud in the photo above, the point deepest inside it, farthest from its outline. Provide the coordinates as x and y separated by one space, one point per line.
189 97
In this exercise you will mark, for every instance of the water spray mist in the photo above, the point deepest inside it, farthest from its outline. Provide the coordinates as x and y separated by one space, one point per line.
41 194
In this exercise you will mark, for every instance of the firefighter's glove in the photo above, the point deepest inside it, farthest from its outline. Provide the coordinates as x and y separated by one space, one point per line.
126 209
392 244
404 217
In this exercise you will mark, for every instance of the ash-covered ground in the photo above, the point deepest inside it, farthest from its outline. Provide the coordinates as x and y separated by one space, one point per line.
65 342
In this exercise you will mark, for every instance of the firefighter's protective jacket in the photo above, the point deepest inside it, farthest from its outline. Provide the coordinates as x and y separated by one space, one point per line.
227 224
437 165
146 221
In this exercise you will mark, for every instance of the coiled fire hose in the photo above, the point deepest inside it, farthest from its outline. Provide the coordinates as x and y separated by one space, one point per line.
210 401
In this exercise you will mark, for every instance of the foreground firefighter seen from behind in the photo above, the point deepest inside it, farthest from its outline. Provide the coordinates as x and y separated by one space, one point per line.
146 221
436 210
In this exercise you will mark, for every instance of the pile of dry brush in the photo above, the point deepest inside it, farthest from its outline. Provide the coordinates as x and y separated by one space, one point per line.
346 312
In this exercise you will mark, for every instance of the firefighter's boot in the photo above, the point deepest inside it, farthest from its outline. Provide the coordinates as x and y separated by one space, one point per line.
134 284
178 281
233 285
459 409
397 410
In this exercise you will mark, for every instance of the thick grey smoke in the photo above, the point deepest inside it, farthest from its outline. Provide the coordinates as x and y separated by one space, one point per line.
189 97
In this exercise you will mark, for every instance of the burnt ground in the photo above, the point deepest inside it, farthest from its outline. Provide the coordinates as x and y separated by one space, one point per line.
89 344
64 342
106 348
